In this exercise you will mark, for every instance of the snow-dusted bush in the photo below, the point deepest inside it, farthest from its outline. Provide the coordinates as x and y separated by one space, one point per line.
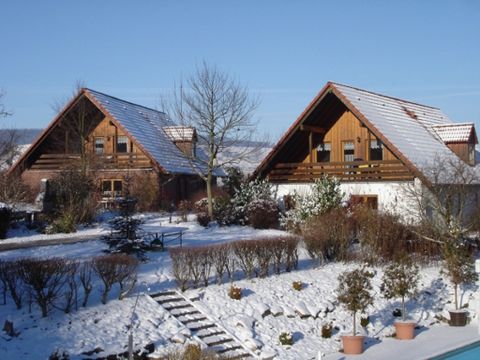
85 273
220 255
297 285
458 265
328 236
324 195
247 193
291 252
244 251
70 291
354 291
400 279
233 180
327 330
286 338
117 268
263 213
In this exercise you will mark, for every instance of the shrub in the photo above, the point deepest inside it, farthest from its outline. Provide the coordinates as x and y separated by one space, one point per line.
85 273
220 255
63 224
145 189
233 180
286 338
245 251
328 236
71 286
5 215
193 352
10 277
458 265
354 291
297 285
262 213
364 321
203 219
324 195
327 330
44 279
291 252
180 268
246 194
199 262
112 269
400 279
235 292
184 208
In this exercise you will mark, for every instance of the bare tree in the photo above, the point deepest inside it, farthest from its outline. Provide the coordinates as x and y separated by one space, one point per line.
447 204
221 110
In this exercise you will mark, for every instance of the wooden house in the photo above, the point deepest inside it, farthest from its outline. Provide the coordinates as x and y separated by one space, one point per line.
122 143
374 144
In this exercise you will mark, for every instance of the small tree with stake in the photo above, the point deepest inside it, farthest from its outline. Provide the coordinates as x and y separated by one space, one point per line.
400 280
354 291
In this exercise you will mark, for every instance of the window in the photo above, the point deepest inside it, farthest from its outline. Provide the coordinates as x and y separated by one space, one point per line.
348 151
112 188
122 144
323 152
376 150
369 200
99 145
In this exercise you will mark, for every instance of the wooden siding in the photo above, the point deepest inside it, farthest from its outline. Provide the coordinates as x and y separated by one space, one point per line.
346 128
462 150
109 132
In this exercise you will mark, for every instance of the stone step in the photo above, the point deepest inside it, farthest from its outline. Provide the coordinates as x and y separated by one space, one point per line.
219 342
164 293
240 356
226 349
203 336
194 312
201 327
194 319
178 307
169 300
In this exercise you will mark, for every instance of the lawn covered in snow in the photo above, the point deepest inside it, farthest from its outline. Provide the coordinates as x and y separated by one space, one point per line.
268 306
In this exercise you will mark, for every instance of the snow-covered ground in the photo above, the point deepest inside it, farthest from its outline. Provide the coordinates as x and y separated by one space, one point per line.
268 306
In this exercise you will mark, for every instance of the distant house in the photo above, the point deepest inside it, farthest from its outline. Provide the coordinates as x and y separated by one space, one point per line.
374 144
124 143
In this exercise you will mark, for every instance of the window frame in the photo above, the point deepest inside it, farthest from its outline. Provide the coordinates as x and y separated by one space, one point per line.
370 149
95 148
344 142
112 193
324 145
127 142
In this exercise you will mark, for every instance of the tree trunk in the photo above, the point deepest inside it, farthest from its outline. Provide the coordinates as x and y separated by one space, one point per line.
210 196
354 324
403 308
456 301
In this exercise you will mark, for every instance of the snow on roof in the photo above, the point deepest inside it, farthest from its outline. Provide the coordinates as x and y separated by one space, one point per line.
451 133
180 133
407 125
146 126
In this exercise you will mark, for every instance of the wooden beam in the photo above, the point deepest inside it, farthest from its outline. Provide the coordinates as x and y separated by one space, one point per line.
313 129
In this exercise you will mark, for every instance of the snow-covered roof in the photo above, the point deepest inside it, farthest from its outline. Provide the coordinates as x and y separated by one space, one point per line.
453 133
147 127
180 133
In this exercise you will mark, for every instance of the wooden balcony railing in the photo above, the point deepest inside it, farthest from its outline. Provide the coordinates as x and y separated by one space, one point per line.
383 170
105 161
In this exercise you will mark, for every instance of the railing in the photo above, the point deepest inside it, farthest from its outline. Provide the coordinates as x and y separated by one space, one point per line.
382 170
105 161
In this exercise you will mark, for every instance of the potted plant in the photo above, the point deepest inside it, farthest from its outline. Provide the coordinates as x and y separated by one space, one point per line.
400 280
459 267
354 292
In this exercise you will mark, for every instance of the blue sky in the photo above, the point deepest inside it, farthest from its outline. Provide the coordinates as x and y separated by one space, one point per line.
284 51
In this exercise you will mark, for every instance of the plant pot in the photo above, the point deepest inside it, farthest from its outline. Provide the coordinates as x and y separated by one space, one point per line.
405 330
458 317
352 345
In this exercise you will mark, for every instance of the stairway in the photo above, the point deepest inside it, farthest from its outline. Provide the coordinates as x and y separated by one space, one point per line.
213 335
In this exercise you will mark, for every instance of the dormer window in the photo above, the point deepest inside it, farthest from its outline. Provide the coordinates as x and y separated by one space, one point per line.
323 152
99 145
122 144
376 150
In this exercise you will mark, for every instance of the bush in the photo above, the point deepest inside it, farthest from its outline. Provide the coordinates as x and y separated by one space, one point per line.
220 256
233 180
247 193
286 338
203 219
85 273
12 283
297 285
235 292
364 321
5 215
118 268
245 251
327 330
180 268
193 352
199 262
354 291
328 236
263 214
63 224
324 195
184 208
145 189
44 279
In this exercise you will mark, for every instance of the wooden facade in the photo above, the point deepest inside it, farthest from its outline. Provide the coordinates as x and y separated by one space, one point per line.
332 141
109 151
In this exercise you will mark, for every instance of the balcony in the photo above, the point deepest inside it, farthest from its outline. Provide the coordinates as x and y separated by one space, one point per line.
102 162
382 170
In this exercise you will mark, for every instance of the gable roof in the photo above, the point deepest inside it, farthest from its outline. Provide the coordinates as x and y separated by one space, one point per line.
144 126
180 133
405 127
455 133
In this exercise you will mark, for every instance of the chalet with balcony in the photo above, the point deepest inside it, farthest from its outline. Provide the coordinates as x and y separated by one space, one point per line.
374 144
122 143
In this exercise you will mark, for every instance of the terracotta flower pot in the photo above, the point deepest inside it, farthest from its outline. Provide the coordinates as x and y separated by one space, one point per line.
405 330
352 345
458 317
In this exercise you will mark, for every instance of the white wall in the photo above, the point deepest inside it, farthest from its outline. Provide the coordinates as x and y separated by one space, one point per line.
391 195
